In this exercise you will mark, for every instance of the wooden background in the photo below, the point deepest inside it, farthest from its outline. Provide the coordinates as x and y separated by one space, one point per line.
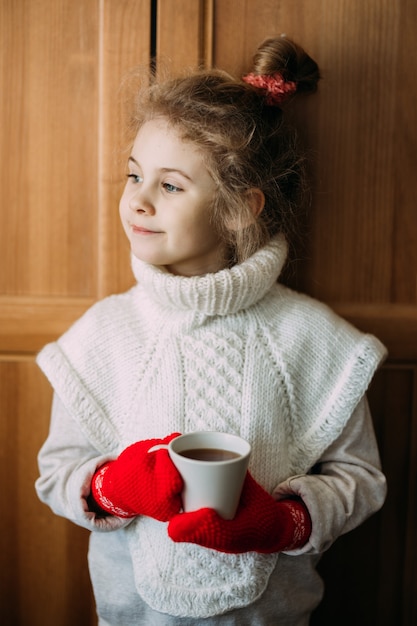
61 174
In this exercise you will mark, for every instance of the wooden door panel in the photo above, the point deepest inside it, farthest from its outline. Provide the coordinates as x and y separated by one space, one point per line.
43 577
49 148
183 35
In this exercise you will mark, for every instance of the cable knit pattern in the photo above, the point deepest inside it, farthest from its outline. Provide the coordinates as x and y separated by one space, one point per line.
233 351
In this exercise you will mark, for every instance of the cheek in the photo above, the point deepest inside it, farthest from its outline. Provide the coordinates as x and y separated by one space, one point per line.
204 235
205 225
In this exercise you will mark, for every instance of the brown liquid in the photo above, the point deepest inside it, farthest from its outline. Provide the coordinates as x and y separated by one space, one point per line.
209 454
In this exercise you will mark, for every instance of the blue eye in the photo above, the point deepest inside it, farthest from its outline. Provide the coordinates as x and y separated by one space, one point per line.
171 188
135 178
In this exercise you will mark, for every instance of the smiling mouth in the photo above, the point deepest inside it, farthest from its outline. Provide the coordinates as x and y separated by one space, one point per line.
139 230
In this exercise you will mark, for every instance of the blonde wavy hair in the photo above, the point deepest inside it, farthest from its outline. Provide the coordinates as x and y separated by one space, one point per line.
246 143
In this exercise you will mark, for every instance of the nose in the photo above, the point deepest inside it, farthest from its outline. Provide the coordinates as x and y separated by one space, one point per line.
141 201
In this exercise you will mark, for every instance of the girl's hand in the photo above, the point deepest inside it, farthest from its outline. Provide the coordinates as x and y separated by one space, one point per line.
139 482
261 524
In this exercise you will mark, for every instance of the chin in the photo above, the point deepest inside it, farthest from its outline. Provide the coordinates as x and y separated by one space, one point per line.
151 259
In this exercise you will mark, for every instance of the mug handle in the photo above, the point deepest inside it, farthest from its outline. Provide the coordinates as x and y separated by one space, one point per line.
159 446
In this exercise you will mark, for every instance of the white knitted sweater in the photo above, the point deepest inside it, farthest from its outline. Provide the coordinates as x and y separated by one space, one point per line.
233 351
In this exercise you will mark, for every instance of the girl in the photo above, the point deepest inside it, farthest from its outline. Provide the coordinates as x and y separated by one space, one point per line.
209 340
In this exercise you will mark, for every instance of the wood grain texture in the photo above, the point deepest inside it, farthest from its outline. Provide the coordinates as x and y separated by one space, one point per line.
27 324
180 35
404 283
395 325
43 578
49 147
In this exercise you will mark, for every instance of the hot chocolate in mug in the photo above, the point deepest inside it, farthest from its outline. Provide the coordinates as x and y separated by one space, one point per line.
213 466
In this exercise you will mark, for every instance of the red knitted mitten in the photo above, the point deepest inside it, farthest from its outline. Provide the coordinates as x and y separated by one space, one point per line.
139 482
261 524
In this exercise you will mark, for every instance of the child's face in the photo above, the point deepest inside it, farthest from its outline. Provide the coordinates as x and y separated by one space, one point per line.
167 201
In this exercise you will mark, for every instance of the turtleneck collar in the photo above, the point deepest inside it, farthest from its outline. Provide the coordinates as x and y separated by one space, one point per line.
220 293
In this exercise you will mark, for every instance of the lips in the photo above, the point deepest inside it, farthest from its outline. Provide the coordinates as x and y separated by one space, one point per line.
140 230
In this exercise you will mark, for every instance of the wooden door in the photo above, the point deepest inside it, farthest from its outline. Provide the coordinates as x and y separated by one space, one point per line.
62 64
61 175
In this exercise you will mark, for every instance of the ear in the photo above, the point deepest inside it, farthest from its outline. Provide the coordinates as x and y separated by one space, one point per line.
255 201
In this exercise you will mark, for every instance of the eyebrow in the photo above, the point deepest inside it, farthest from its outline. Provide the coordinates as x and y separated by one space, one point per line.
164 169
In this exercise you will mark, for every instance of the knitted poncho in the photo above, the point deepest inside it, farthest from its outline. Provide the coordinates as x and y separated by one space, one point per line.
232 351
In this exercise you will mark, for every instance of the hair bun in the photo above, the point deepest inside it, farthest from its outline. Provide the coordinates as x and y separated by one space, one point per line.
279 55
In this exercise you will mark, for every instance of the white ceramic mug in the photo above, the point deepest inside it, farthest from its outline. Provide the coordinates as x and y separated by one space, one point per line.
218 483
